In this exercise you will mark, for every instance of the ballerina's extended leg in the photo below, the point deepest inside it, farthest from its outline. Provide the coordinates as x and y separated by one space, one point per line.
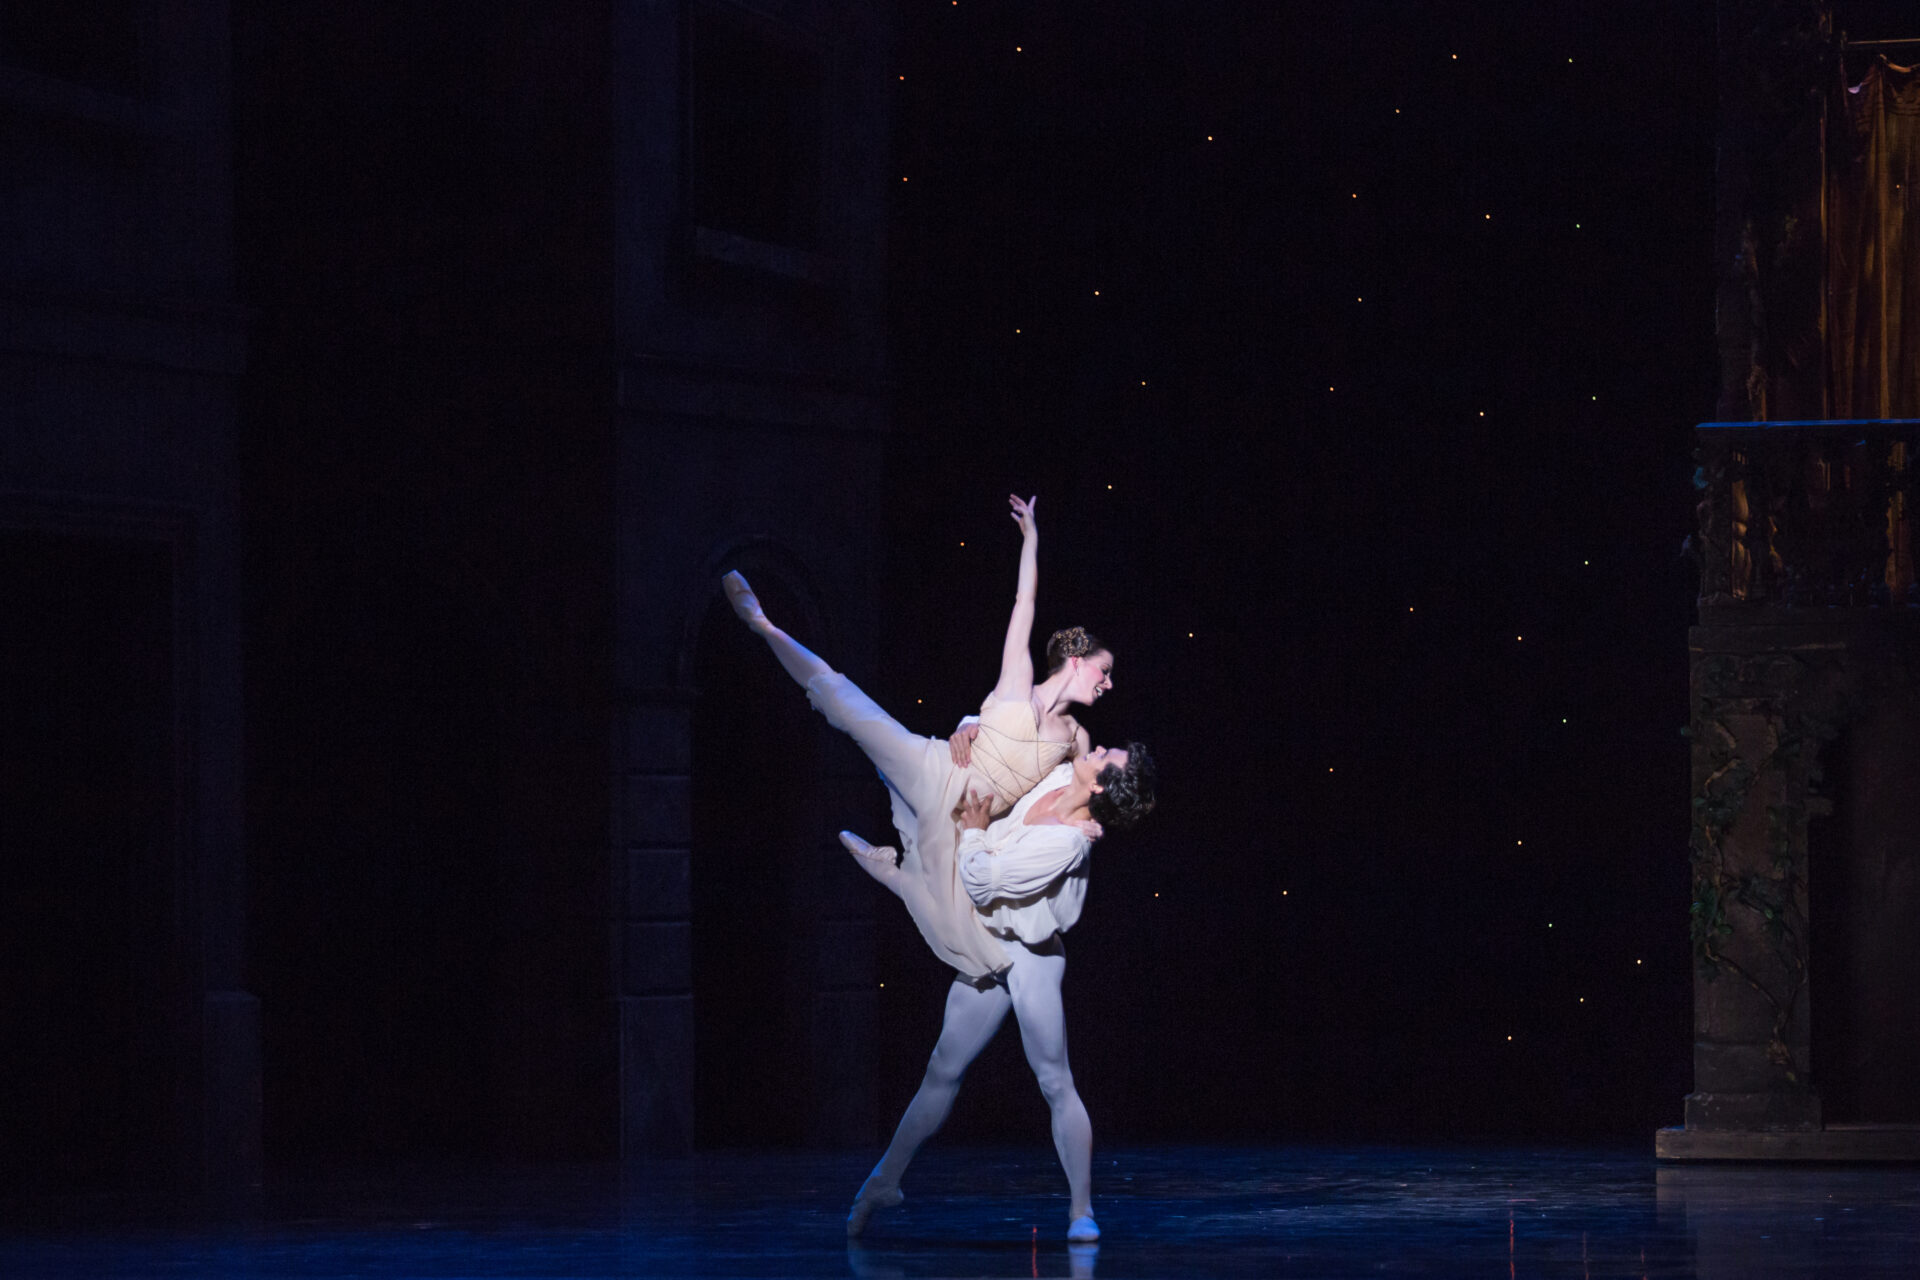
800 662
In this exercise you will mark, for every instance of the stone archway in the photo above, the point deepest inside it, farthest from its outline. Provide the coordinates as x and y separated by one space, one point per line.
745 947
755 816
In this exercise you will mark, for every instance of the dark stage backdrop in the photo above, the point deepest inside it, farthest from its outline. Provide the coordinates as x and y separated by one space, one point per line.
1352 354
1353 357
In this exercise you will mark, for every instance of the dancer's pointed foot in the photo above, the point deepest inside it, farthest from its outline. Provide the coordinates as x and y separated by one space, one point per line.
878 861
745 604
871 1197
1083 1230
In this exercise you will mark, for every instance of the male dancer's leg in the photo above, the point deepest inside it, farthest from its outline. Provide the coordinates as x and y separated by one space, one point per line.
973 1014
1034 982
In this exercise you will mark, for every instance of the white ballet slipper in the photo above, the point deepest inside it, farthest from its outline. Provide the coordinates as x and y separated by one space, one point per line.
878 861
869 1200
1083 1230
746 605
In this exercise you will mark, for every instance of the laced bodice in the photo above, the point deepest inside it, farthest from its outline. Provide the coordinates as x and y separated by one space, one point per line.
1010 754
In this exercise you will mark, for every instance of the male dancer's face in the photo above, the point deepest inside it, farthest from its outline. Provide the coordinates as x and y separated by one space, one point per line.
1090 766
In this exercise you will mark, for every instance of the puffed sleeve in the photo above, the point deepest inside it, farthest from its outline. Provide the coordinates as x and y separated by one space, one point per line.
1021 862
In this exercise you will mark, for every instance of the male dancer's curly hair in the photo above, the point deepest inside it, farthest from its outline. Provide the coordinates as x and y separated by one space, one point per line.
1127 794
1074 642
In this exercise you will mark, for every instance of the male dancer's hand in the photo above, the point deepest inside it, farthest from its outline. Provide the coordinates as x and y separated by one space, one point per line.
974 811
960 745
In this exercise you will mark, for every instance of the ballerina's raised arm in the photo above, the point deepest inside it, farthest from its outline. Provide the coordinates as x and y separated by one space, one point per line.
1016 658
1080 668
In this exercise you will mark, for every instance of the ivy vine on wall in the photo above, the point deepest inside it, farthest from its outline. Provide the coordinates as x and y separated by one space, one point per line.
1806 705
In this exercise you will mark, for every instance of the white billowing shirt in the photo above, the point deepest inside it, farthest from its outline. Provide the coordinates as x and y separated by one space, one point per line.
1028 882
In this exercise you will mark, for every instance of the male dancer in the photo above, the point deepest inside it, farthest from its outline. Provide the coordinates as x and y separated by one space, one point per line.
1027 875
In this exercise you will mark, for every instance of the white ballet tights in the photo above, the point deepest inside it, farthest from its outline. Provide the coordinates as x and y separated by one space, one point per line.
1031 988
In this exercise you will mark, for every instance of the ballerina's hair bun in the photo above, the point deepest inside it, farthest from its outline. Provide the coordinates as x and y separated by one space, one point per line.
1074 642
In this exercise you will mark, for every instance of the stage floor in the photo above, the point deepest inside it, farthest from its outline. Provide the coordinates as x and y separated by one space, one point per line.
1166 1211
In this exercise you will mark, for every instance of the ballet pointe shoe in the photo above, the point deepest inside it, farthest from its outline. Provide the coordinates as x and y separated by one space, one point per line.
876 860
1083 1230
746 605
869 1199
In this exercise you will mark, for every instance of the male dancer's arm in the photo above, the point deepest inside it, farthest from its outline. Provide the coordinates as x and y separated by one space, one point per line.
1012 860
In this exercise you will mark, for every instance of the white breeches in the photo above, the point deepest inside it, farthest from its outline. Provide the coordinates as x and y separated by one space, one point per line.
1031 988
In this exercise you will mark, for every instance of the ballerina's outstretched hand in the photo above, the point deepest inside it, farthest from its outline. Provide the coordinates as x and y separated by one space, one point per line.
1023 513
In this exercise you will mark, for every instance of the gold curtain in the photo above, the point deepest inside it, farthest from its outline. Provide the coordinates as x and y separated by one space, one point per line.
1873 267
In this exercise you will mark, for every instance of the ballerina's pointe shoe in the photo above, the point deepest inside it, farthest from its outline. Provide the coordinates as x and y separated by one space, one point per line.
1083 1230
871 852
878 861
879 1198
746 605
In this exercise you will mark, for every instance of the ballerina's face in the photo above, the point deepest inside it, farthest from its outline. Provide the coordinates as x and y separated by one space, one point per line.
1092 676
1089 766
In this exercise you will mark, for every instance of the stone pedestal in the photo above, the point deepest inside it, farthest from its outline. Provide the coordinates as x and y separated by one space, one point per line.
1805 698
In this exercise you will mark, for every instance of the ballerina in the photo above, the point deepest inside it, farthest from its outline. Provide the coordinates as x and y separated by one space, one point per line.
1023 731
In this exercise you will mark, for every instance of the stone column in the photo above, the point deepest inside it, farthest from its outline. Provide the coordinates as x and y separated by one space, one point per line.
652 926
1756 734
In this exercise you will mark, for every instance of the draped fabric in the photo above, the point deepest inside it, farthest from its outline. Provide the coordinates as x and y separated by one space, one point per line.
1873 258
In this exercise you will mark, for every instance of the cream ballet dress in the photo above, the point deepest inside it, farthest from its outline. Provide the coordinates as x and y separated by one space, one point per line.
926 789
